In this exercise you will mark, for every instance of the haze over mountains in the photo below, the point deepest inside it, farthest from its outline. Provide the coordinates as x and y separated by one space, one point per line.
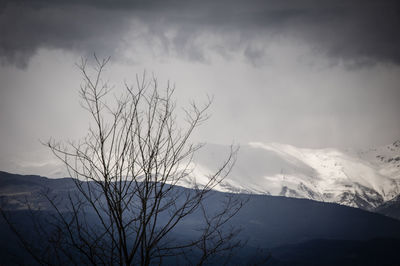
357 178
363 178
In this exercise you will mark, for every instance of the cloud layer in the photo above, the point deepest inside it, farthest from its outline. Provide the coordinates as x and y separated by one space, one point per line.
358 32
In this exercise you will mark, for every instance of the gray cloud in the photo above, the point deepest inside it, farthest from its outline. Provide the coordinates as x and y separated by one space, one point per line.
85 29
361 32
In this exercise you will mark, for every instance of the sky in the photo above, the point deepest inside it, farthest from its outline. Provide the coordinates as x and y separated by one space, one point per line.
313 74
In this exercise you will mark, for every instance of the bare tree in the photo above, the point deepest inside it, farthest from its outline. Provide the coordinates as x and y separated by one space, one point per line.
128 204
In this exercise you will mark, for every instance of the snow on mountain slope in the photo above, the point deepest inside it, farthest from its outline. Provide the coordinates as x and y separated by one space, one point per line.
363 179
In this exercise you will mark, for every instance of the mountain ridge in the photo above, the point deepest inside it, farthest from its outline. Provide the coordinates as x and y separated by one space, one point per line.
357 178
268 225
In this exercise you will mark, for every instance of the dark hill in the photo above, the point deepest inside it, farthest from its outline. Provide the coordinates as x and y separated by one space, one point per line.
267 221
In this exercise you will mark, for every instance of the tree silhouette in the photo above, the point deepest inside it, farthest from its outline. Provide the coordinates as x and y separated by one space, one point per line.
128 204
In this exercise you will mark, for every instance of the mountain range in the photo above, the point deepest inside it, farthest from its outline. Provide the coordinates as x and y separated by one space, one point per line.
358 178
288 231
299 201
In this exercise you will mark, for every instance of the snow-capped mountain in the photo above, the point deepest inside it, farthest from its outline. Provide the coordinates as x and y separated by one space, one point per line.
358 178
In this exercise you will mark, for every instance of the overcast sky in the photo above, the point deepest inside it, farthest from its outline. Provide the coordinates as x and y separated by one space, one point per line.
307 73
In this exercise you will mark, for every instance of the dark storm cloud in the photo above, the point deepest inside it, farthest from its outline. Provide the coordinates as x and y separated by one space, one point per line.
24 29
363 32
